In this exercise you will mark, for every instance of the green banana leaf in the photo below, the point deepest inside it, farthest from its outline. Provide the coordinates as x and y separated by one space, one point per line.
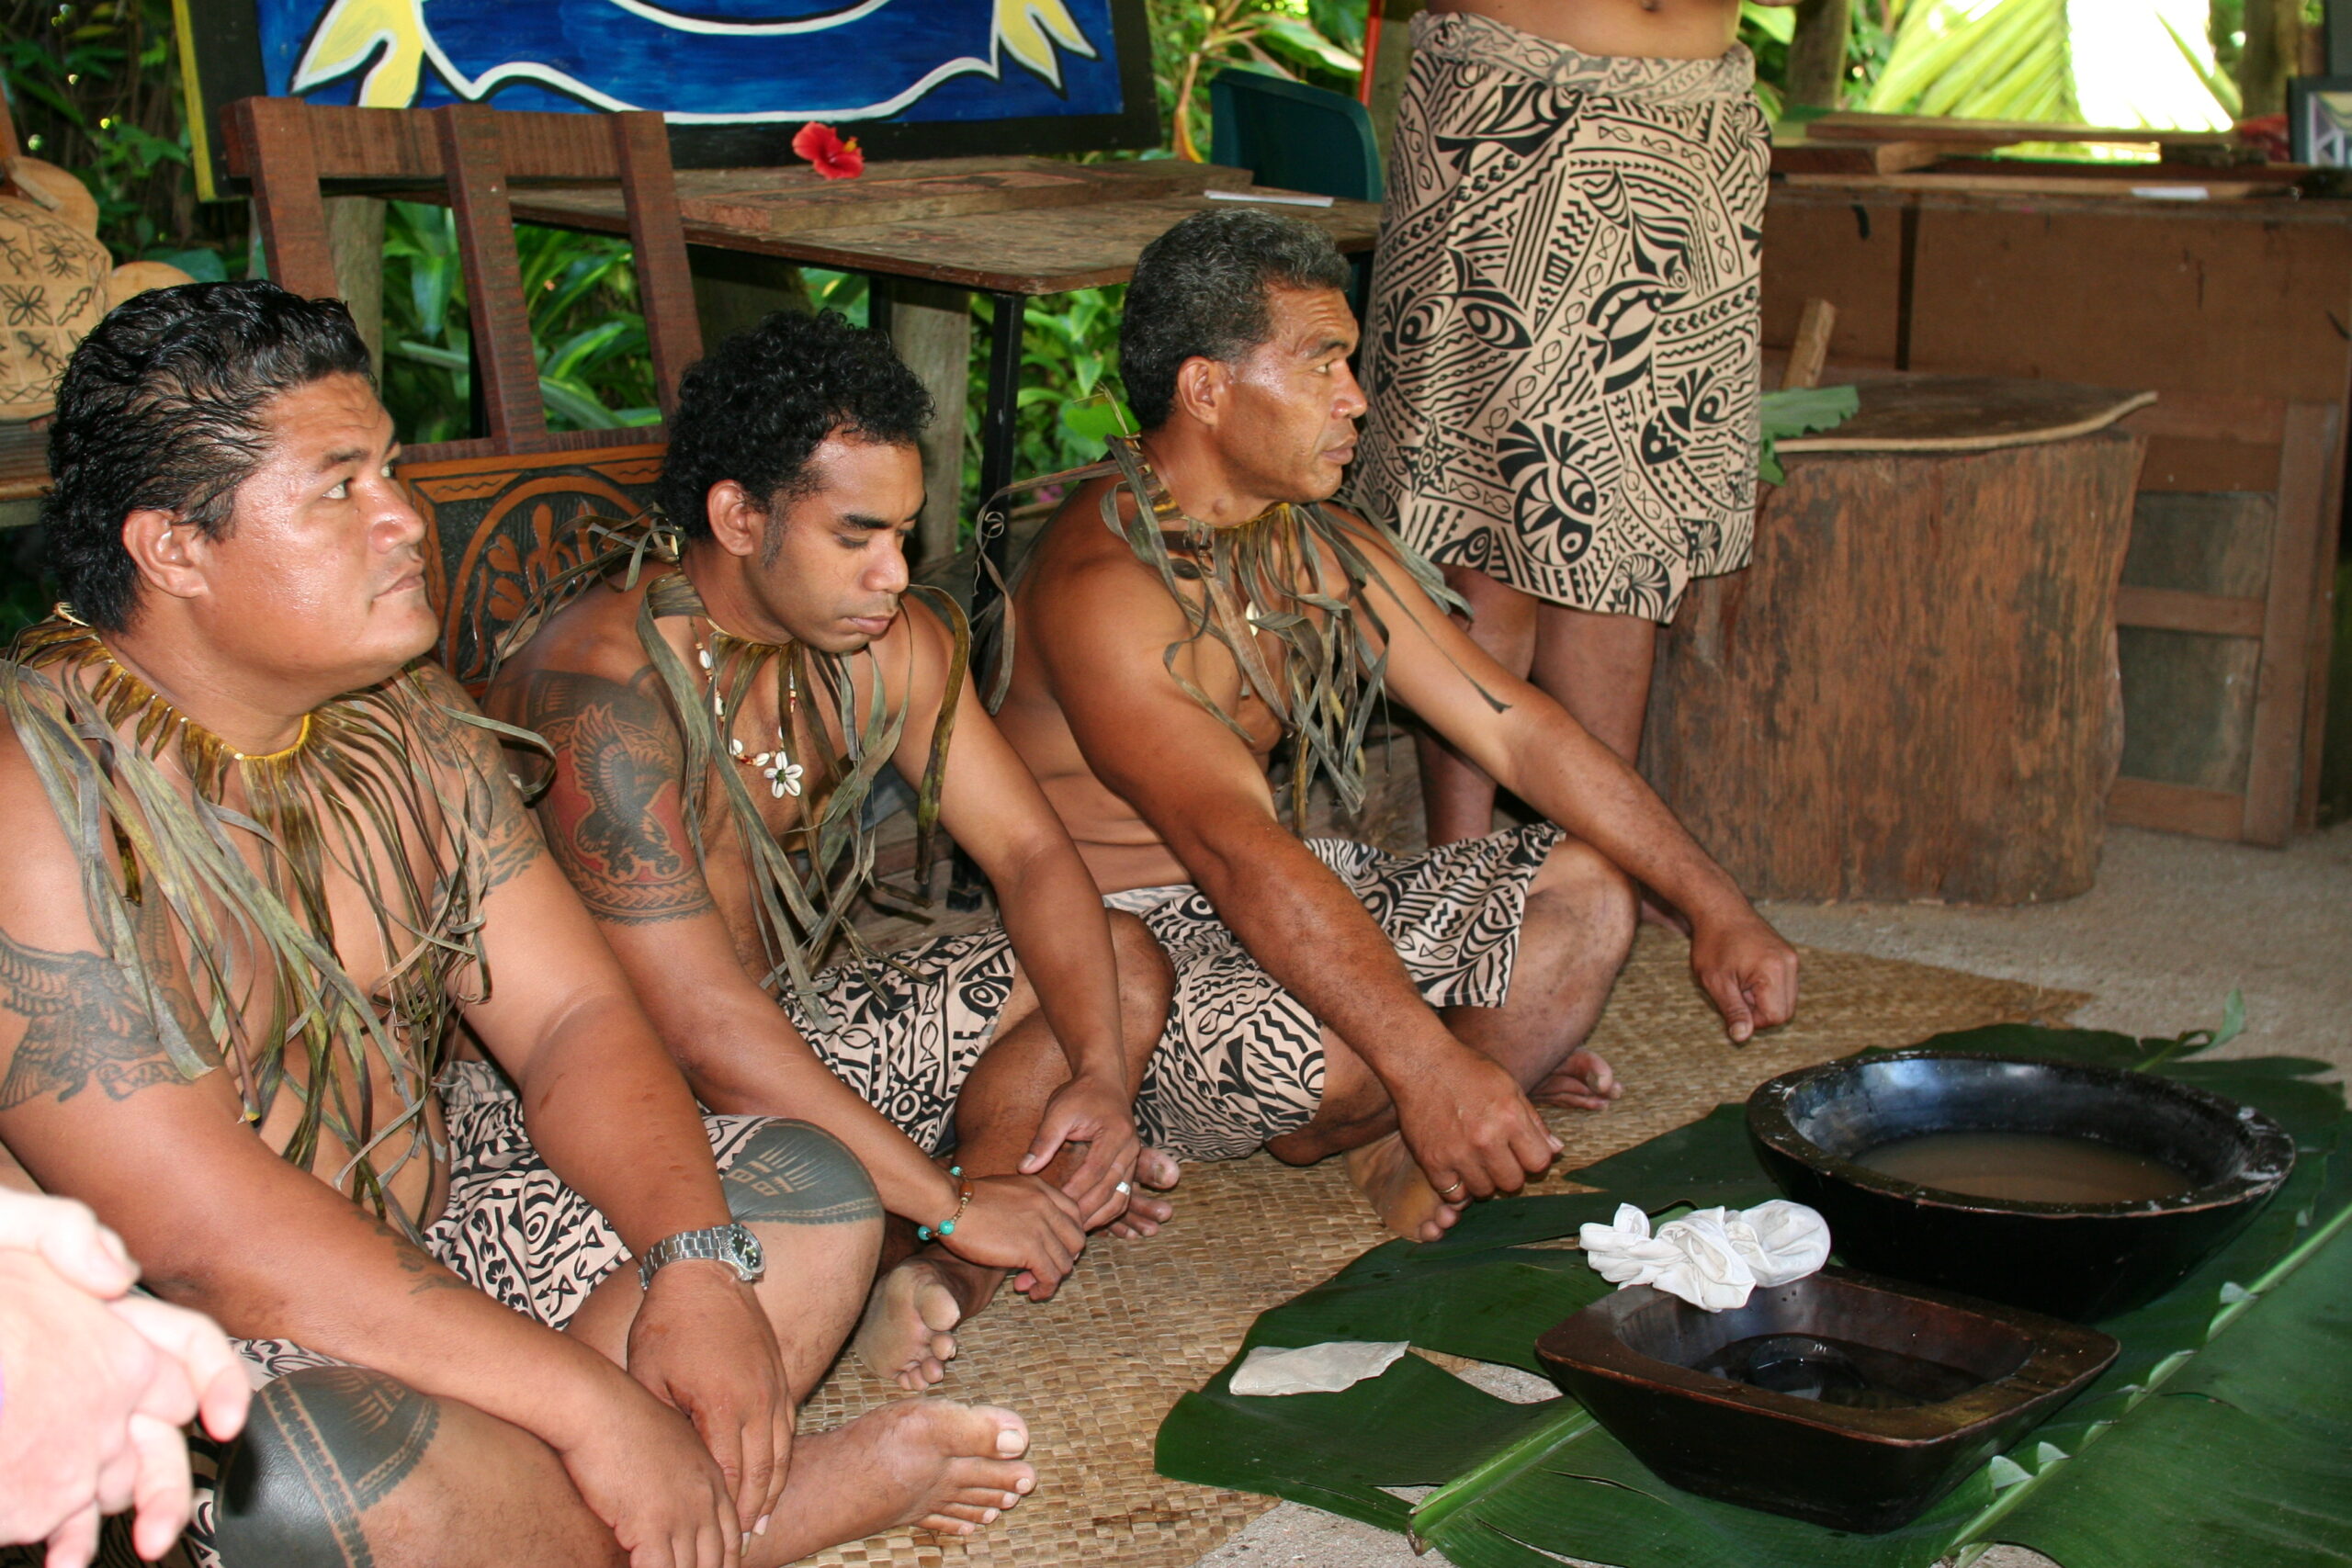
1795 411
2221 1433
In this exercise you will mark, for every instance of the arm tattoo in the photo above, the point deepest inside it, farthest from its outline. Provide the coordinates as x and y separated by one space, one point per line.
83 1026
508 838
616 796
419 1265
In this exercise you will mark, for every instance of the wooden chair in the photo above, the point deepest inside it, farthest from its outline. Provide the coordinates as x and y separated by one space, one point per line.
502 507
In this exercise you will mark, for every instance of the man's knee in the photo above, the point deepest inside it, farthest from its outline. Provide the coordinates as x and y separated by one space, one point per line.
321 1448
793 1173
1147 980
1585 900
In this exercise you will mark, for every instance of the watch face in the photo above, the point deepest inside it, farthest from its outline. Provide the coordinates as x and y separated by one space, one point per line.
746 1249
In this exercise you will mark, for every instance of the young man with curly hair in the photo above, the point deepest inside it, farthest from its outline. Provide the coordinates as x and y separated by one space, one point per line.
717 724
266 865
1183 616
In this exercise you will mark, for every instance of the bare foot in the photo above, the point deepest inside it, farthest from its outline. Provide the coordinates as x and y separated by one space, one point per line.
1145 1215
1583 1082
948 1467
1385 1172
905 1332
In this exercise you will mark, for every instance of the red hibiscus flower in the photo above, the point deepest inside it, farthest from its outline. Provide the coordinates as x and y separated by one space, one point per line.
834 159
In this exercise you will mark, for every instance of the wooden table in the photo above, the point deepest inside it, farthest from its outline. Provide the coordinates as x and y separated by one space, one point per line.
1010 228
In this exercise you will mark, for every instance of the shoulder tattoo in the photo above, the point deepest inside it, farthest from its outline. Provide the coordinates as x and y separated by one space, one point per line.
613 812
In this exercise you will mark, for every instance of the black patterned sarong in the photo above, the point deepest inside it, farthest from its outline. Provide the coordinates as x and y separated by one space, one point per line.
1241 1059
1564 352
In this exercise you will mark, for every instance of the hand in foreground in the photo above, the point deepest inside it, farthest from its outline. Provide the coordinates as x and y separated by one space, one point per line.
1747 972
703 1346
1099 1114
1021 1223
97 1389
1471 1130
640 1469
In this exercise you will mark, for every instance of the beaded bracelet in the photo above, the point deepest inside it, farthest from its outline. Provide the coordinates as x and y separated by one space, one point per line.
964 1190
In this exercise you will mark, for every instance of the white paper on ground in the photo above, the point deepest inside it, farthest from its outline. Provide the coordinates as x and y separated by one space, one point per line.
1315 1368
1710 1257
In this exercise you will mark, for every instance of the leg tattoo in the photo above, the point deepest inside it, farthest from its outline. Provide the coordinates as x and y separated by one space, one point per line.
792 1173
321 1448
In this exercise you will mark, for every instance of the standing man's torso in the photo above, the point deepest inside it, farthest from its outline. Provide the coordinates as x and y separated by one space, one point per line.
1672 29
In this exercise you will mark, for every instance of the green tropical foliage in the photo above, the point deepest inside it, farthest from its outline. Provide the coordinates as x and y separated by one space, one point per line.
93 86
1320 42
589 336
2221 1433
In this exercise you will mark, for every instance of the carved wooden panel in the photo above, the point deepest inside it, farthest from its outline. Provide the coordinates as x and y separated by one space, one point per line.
499 529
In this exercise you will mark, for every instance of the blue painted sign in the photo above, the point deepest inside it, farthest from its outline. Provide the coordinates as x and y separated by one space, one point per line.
706 62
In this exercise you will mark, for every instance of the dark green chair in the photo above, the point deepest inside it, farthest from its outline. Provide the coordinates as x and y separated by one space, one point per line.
1291 136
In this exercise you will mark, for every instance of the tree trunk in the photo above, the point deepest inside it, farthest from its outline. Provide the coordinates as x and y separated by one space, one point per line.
1816 75
2274 43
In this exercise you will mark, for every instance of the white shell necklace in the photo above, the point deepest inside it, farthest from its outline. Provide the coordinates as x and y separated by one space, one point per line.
783 774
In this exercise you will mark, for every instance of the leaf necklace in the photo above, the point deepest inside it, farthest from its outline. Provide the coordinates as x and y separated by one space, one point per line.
783 775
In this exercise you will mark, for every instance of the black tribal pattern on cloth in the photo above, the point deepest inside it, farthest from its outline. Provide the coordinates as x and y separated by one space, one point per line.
1564 353
906 1032
1241 1059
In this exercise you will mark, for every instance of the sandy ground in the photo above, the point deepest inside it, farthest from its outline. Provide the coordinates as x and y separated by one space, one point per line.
2173 927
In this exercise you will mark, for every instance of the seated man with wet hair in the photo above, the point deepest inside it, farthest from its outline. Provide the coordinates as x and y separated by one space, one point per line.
266 862
1198 604
717 725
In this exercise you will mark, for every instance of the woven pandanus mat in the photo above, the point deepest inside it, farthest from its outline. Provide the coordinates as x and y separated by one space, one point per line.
1141 1322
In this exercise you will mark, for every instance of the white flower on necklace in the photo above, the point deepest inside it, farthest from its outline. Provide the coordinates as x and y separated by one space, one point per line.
783 778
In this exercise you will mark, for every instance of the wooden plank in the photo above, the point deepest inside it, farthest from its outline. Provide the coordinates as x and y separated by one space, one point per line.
2210 542
1812 345
1815 157
1857 126
1847 252
2307 462
2082 186
800 203
2179 464
275 135
2175 808
1968 414
2131 296
2213 416
1046 252
502 336
2172 609
665 282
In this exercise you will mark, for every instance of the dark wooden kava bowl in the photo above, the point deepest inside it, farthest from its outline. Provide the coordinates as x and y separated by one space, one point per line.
1629 1359
2082 1261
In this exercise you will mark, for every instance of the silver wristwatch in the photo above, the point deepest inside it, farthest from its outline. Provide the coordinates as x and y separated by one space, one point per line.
730 1244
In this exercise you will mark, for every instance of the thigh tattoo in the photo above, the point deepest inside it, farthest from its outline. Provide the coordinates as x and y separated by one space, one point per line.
321 1448
792 1173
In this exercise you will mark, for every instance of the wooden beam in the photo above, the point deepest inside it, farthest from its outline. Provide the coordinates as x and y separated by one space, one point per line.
2178 610
2176 808
1816 71
502 333
931 329
665 283
356 240
2273 784
1814 326
287 209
